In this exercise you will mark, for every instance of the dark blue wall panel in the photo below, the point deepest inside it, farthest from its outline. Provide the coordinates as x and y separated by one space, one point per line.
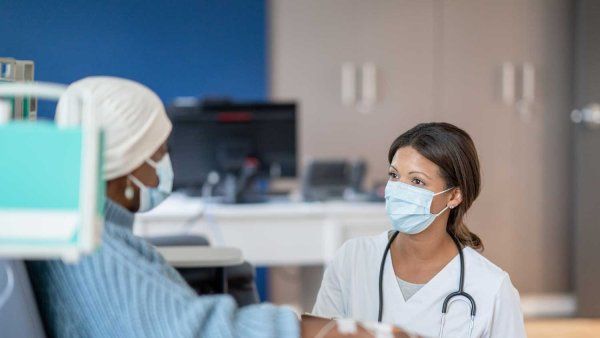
177 48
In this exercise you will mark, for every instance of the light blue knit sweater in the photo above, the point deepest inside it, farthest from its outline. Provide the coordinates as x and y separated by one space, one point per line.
126 289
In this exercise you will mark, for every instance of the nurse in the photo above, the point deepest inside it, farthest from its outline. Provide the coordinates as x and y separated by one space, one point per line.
426 274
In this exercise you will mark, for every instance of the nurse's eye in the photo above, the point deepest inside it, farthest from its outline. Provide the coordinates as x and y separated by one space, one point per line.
393 176
417 181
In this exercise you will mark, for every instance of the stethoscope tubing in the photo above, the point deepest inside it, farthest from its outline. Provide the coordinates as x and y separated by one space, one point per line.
448 299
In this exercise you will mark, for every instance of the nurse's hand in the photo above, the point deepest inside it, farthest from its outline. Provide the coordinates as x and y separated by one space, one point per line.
314 327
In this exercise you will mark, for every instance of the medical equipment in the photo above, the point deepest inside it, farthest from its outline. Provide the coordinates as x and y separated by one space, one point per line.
52 199
449 299
11 70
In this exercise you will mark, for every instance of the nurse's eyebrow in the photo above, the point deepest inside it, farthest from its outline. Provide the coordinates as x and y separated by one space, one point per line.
391 166
419 172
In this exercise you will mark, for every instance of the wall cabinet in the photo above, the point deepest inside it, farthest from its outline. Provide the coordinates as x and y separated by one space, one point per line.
501 70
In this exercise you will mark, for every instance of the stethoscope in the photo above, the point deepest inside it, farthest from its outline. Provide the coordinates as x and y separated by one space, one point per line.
449 299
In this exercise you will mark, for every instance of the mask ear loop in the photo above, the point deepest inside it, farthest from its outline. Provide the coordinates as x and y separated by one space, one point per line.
447 206
152 163
441 212
10 284
441 192
136 181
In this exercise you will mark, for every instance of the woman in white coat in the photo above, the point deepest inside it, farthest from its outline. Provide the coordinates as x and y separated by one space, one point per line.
405 276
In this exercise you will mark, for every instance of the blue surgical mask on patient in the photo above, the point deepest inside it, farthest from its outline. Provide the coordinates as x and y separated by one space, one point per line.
408 207
151 197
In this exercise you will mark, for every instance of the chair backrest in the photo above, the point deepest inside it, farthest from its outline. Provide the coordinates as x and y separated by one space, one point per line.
19 316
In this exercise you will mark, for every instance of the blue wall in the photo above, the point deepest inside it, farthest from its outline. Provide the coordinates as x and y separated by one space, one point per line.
177 48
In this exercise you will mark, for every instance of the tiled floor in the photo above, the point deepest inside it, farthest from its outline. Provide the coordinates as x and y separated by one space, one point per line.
563 328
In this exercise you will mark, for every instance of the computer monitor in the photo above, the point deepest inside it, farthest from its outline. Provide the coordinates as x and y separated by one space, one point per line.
223 137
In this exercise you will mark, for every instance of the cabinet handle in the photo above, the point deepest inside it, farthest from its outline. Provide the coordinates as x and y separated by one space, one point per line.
528 82
508 83
525 104
368 87
348 83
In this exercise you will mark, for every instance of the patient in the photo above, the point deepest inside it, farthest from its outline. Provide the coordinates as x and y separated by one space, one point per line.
125 288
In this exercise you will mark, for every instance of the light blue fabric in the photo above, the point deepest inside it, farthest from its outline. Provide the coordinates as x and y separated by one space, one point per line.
126 289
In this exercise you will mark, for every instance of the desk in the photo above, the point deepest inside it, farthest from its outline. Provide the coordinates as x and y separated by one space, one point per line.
269 234
299 237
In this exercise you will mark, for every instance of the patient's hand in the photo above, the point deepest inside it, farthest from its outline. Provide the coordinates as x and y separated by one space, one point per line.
314 326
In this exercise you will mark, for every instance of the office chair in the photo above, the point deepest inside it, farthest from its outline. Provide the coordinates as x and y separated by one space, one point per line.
237 281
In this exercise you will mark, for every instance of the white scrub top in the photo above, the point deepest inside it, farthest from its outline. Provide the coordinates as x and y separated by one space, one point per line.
350 289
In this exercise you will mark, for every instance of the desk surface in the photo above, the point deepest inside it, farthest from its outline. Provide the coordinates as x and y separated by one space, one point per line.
179 206
301 233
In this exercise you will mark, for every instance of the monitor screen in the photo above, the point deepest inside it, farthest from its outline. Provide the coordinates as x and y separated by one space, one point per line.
222 137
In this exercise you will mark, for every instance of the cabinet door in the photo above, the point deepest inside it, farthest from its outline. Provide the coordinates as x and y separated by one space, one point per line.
476 39
541 142
521 213
397 37
310 40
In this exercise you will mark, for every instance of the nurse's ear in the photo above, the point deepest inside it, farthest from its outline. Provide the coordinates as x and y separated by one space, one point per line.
455 198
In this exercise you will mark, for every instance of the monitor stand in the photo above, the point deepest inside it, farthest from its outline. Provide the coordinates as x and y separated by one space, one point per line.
238 189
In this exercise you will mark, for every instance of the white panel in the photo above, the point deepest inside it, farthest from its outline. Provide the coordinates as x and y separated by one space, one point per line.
37 225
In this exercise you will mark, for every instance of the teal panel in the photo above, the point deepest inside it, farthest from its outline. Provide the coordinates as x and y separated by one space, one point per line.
39 166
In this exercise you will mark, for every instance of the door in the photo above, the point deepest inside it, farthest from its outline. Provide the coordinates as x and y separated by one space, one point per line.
586 157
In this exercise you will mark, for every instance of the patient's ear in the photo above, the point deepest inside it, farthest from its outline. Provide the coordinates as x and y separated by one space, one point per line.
123 192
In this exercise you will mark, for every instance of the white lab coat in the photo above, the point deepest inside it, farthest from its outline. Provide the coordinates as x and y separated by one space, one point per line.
351 283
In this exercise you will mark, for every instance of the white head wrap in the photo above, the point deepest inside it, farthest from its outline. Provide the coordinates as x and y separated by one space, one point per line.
132 117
